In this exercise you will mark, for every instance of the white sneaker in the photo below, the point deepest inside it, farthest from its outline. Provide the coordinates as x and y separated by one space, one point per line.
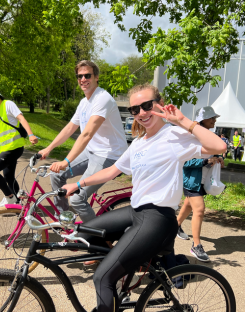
8 201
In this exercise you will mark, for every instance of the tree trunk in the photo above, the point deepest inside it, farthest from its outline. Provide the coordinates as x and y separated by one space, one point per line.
48 100
31 107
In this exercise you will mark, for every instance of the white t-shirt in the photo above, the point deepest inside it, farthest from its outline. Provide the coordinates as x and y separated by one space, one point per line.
109 141
156 165
12 112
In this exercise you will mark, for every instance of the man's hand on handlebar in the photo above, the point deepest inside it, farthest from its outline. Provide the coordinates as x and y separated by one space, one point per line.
59 165
44 152
71 188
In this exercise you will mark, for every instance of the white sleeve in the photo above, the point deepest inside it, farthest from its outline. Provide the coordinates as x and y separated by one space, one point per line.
102 106
123 163
75 118
187 145
12 109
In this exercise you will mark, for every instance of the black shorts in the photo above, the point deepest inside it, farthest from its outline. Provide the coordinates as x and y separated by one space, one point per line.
190 193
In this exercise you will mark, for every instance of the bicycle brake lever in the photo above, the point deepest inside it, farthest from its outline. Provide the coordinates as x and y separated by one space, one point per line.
75 238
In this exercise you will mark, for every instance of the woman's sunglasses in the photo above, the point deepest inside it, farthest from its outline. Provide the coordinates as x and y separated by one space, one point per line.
146 106
87 76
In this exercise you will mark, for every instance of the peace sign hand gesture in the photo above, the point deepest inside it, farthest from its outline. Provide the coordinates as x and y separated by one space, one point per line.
170 113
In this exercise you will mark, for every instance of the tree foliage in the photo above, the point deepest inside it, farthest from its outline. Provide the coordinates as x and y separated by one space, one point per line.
40 43
136 66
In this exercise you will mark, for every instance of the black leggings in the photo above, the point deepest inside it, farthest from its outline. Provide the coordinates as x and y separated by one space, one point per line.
151 229
8 162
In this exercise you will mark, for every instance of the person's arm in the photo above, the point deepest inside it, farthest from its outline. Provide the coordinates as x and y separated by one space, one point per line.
82 141
65 133
98 178
33 139
211 143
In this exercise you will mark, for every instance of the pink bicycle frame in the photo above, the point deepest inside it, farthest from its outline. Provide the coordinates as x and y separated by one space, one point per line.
104 203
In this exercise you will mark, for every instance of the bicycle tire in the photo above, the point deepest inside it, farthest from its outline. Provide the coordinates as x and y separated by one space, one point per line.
8 218
120 203
34 296
206 290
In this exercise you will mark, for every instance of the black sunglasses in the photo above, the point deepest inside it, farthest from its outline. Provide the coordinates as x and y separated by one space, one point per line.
146 106
87 76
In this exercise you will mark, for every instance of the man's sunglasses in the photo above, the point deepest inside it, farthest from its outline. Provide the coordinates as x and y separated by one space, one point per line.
146 106
87 76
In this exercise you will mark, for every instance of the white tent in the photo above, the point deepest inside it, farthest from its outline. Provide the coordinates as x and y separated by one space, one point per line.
232 114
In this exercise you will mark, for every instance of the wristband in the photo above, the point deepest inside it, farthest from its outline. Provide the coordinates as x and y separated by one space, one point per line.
69 164
79 185
34 135
193 126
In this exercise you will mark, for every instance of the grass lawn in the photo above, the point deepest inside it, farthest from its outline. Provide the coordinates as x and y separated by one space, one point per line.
231 201
230 160
46 127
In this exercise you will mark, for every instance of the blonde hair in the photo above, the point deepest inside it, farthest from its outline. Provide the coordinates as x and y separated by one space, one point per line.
137 129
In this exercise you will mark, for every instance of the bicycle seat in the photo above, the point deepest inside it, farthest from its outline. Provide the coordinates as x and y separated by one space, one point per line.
167 249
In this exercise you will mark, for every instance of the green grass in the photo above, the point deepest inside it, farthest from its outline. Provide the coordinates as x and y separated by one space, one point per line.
47 127
231 201
230 160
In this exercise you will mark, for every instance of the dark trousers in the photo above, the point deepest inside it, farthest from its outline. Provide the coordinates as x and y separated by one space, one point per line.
237 153
149 230
8 162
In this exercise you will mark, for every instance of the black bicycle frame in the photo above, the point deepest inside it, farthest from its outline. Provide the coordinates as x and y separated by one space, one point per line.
96 253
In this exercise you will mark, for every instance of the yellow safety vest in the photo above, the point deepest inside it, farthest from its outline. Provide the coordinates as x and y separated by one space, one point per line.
236 140
10 139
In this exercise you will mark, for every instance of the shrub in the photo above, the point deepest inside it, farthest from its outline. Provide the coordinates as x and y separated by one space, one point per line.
69 109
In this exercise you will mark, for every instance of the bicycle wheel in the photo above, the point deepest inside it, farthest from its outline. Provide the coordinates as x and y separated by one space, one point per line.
197 288
123 202
8 221
34 296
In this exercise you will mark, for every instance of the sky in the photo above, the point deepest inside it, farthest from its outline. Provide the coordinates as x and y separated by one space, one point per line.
120 44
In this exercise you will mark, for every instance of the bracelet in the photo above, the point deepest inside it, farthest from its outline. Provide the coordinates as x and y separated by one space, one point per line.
31 135
69 164
193 126
79 185
84 183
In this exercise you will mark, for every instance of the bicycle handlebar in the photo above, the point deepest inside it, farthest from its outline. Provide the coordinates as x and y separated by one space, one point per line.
35 224
34 158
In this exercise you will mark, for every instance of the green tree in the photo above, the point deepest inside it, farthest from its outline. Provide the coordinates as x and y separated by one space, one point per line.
40 45
136 65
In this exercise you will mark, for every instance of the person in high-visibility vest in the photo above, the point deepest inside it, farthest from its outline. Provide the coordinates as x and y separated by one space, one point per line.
11 148
237 145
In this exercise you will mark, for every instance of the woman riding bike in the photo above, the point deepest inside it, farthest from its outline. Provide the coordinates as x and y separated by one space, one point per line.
155 159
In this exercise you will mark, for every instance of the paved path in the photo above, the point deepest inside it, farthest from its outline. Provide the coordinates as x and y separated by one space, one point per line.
223 240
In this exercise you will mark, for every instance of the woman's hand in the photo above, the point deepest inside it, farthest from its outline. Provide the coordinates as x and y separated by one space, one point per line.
170 113
71 188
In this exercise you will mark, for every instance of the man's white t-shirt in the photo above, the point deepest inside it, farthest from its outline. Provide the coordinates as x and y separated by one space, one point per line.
109 141
12 112
156 165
